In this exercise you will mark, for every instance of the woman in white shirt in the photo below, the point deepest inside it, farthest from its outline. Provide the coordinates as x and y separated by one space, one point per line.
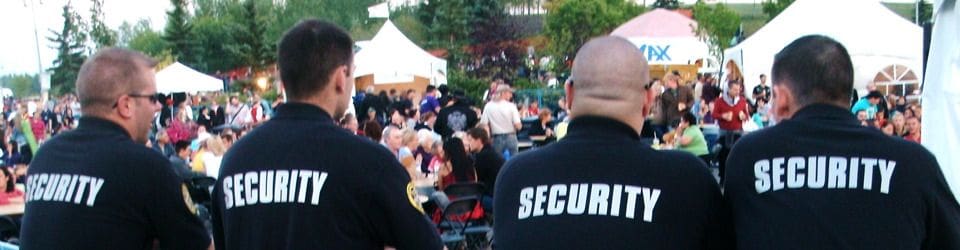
213 155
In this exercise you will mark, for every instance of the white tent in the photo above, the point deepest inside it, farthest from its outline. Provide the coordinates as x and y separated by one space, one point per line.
665 37
875 37
941 95
180 78
391 57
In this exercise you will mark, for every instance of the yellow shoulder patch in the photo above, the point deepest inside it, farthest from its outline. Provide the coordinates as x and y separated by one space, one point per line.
186 198
412 197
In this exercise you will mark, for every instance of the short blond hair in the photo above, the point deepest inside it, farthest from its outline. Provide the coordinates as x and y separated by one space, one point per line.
215 146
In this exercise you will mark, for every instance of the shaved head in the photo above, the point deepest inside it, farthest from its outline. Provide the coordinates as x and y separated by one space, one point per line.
109 74
609 75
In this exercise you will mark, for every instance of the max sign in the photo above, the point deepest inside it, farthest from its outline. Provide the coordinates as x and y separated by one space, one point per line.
655 52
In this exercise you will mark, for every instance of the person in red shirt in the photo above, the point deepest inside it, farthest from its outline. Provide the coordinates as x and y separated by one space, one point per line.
913 130
730 111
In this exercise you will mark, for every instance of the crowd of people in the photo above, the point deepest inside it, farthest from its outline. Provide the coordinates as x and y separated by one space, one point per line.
288 170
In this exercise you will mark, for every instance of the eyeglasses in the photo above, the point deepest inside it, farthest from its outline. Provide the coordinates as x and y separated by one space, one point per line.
154 98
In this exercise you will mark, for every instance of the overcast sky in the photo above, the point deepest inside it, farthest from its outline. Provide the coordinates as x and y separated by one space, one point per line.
18 50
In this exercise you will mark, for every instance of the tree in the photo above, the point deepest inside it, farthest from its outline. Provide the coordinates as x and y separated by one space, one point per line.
773 7
926 13
256 51
22 85
177 34
219 39
666 4
718 23
572 22
447 22
70 52
141 37
101 35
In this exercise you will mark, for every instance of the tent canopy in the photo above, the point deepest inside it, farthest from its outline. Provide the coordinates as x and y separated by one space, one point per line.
941 95
392 58
665 37
874 36
180 78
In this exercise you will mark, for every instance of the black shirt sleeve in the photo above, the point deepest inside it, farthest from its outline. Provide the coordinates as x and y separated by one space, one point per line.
216 218
176 226
403 223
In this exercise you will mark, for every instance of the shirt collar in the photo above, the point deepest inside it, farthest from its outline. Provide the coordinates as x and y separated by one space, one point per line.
99 124
595 126
824 112
302 111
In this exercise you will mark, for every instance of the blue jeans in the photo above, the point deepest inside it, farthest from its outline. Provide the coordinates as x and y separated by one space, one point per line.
505 142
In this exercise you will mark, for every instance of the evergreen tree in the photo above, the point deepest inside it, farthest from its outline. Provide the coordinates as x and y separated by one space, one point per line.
70 52
257 52
178 36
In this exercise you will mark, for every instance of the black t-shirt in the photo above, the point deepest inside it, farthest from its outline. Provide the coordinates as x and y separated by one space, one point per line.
321 187
601 188
791 187
488 164
456 118
94 188
761 92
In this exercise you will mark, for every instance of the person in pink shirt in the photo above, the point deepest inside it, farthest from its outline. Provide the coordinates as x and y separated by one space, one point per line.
8 190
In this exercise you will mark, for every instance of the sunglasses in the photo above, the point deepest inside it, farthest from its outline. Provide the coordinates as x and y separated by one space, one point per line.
154 98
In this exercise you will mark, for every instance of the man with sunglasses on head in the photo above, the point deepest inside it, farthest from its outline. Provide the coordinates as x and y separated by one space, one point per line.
98 186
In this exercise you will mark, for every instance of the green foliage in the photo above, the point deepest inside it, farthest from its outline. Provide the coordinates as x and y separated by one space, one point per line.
571 23
141 37
178 35
345 13
256 52
70 52
473 87
773 7
407 22
926 12
717 22
447 22
101 35
218 37
667 4
22 85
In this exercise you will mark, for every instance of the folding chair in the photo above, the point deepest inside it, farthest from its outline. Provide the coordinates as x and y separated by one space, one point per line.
454 221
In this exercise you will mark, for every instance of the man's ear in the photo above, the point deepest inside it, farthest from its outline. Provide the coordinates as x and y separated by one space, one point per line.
341 78
124 108
783 102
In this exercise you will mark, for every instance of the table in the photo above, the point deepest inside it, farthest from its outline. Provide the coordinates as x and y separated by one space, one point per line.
13 209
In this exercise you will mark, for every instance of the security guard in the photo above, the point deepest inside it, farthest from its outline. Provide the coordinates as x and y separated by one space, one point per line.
99 187
317 186
600 187
819 180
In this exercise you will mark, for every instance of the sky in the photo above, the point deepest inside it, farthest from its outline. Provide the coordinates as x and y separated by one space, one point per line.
18 51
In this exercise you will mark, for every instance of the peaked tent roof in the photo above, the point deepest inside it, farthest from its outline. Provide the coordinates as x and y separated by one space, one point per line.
874 36
665 37
658 23
180 78
390 54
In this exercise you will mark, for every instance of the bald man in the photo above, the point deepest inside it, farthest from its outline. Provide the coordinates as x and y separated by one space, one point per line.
98 186
600 187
